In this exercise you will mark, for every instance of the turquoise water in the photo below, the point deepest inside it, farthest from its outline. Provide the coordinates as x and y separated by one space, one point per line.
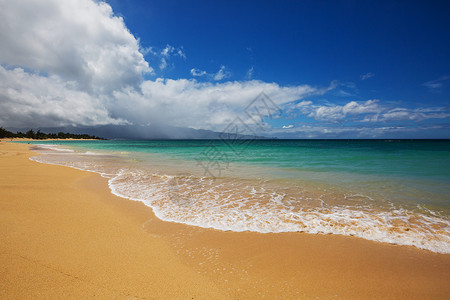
413 158
392 191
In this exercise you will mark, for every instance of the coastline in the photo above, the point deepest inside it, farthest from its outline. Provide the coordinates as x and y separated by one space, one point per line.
64 237
65 234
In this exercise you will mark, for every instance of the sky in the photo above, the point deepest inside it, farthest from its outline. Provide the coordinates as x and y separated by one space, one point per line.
329 69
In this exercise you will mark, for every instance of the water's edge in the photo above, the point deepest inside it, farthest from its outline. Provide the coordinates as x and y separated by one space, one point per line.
166 205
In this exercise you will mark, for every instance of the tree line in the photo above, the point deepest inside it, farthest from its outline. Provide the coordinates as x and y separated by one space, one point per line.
38 135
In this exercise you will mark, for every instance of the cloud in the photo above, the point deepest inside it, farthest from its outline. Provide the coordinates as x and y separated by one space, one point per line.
418 114
303 103
163 64
249 74
383 131
197 72
437 84
340 112
169 51
166 51
220 75
79 40
353 107
30 100
367 76
370 111
164 55
74 62
206 105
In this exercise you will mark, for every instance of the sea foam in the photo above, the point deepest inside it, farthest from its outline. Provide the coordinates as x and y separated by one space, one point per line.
259 205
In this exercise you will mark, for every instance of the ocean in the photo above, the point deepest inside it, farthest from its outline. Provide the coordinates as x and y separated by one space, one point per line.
392 191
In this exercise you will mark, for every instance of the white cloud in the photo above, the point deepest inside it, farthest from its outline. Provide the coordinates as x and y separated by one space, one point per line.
163 57
249 74
340 112
74 62
328 113
30 100
433 85
367 76
303 103
163 64
41 101
437 84
165 52
368 111
78 40
322 131
197 72
79 65
195 104
418 114
370 106
169 51
148 50
220 75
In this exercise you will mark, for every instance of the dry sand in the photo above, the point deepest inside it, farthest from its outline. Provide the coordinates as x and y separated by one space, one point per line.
64 235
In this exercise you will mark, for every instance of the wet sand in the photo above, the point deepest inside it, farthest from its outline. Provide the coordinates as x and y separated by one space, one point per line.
63 234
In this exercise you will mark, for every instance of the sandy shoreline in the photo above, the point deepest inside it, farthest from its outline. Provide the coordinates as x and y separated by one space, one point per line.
63 234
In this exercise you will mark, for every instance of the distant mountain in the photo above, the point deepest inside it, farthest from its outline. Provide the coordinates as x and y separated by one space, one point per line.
137 132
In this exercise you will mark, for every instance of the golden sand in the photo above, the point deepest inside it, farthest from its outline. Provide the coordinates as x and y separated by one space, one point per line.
64 235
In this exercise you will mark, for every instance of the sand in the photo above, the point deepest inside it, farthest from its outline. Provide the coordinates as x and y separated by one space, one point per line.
64 235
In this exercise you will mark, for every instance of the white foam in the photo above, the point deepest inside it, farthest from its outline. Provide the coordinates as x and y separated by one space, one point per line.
235 205
243 214
54 148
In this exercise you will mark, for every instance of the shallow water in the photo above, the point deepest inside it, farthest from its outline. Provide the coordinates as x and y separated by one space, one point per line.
388 191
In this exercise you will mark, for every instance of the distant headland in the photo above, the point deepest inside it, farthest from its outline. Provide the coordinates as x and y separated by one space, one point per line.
38 135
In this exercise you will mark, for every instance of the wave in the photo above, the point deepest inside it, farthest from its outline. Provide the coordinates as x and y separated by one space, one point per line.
260 205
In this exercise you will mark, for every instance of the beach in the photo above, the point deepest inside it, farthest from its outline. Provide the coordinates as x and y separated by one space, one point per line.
63 234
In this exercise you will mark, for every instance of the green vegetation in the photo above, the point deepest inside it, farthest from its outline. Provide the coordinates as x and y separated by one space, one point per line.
38 135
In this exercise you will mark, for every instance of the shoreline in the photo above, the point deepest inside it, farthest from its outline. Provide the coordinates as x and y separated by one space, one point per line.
332 203
36 140
198 262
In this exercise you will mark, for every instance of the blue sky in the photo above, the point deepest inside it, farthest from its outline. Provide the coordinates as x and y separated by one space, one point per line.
337 69
401 44
294 42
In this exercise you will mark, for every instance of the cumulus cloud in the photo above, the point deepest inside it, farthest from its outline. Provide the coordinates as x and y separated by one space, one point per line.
340 112
33 101
74 62
370 111
82 66
78 40
189 103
